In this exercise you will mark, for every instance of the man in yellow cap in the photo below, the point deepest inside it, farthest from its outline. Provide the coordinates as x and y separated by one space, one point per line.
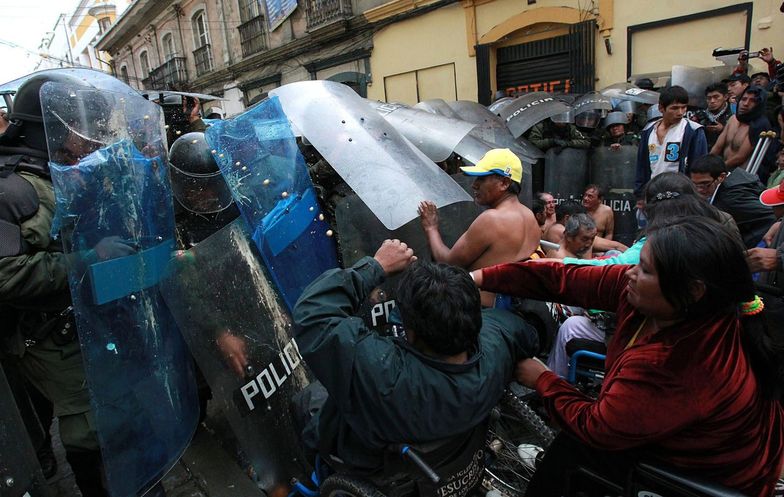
506 232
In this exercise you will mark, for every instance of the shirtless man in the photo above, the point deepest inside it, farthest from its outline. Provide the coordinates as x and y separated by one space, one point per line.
601 214
549 209
579 234
734 143
507 231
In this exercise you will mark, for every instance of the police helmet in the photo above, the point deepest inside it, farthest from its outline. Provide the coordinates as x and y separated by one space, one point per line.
197 183
653 113
564 117
74 111
588 119
626 106
616 118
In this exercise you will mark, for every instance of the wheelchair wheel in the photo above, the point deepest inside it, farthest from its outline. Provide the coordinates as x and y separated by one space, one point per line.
338 485
516 436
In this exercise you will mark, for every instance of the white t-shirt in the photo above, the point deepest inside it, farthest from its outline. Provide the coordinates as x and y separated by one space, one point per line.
665 157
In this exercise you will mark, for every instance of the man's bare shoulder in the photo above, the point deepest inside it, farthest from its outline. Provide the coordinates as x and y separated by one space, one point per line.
604 210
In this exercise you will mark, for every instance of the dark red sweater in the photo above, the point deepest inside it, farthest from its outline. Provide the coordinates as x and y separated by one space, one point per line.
685 394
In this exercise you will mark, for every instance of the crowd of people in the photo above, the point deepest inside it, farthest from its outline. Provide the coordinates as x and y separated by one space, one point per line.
694 368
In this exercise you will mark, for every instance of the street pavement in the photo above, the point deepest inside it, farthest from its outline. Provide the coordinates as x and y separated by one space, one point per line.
205 470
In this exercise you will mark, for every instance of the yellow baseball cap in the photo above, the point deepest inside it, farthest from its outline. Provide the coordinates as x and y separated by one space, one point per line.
499 161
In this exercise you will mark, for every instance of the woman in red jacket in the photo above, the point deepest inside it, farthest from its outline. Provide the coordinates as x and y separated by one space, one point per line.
691 381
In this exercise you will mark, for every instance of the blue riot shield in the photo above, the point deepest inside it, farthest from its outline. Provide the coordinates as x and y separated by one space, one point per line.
259 158
114 211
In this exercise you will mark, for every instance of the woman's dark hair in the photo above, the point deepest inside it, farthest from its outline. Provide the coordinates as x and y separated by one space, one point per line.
670 195
441 304
698 249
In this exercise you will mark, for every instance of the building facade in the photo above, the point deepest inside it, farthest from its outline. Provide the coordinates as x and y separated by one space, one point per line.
473 49
71 41
414 50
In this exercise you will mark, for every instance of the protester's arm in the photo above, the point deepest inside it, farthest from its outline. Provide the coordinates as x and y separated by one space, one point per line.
601 244
630 256
468 248
630 411
584 286
718 147
764 259
326 328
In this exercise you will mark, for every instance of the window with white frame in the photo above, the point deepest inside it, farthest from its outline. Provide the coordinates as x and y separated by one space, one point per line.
200 35
169 52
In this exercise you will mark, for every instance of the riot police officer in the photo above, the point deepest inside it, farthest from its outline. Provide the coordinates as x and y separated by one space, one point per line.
33 282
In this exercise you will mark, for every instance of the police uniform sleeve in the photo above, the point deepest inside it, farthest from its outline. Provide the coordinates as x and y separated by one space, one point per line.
577 139
537 137
40 271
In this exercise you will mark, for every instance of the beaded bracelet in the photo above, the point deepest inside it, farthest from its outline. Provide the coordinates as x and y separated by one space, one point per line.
752 307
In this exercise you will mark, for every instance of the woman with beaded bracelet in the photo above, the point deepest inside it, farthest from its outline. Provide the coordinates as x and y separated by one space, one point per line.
693 378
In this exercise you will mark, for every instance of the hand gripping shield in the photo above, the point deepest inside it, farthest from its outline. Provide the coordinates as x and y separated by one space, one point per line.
114 210
239 332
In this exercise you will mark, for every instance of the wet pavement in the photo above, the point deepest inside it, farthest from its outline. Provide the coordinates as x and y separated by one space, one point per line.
205 470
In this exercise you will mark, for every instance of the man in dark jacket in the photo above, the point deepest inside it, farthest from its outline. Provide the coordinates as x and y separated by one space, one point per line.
736 193
439 383
671 143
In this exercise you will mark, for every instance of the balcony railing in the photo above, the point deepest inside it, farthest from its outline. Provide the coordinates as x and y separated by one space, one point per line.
253 36
321 12
203 58
170 73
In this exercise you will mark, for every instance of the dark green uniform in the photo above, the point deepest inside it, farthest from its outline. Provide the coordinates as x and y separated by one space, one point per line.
35 285
383 391
546 135
625 139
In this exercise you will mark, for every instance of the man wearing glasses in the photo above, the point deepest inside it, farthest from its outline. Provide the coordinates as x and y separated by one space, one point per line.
736 193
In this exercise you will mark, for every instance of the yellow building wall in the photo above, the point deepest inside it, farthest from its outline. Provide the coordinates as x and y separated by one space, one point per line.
445 36
423 44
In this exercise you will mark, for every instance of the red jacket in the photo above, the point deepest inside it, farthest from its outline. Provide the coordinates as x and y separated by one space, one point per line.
685 394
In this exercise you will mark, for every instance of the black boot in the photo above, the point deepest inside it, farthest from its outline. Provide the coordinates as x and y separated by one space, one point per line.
87 467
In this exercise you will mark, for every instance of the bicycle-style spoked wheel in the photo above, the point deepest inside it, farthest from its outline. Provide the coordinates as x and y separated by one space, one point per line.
517 434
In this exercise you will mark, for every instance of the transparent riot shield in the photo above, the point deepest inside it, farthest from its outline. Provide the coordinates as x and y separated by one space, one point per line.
524 112
114 210
694 80
259 158
628 91
20 473
593 100
615 170
389 173
437 106
432 133
491 129
361 233
239 332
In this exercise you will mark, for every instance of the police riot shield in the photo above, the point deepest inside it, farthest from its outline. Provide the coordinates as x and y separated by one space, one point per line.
628 91
20 473
437 106
361 233
491 129
524 112
565 173
261 163
114 211
433 133
499 104
616 170
593 100
389 173
694 80
239 332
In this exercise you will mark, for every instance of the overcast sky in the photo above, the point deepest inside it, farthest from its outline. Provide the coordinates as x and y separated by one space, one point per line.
24 23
